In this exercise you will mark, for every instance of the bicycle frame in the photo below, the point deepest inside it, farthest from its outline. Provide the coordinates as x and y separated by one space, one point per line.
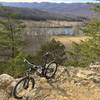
27 79
33 68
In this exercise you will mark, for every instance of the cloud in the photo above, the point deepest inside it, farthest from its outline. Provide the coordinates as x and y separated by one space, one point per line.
25 0
16 0
67 1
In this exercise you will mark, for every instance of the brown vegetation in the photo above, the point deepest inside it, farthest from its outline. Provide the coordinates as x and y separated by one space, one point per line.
68 40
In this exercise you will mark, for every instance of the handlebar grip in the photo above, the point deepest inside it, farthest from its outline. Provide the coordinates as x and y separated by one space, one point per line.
25 60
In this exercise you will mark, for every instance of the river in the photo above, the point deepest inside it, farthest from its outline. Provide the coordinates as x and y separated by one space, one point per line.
54 31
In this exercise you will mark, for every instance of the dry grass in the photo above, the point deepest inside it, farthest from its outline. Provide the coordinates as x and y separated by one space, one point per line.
68 40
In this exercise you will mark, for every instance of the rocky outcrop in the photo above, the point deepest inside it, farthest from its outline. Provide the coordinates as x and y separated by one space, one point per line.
68 84
95 67
5 81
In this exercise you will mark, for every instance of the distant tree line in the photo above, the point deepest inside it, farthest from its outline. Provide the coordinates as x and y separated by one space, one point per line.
34 14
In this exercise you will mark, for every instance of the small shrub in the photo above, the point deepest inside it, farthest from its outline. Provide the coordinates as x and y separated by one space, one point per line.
81 55
14 66
56 49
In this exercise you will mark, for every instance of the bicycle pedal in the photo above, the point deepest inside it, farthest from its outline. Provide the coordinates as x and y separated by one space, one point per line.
26 87
41 75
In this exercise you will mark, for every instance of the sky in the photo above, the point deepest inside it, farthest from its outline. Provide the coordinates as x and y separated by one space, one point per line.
66 1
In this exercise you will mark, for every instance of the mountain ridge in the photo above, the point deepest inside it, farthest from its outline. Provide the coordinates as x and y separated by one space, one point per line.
36 14
72 10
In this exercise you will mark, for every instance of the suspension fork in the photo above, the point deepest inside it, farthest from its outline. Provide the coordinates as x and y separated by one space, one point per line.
26 82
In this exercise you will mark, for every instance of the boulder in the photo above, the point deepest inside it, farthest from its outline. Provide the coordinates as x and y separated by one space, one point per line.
5 81
95 67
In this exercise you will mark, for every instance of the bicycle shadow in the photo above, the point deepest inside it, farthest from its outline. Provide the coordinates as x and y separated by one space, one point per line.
52 88
58 81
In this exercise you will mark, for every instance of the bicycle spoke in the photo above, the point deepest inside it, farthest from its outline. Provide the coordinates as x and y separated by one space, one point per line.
21 91
51 69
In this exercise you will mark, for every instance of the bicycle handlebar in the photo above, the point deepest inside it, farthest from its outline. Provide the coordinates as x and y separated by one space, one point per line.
25 60
46 54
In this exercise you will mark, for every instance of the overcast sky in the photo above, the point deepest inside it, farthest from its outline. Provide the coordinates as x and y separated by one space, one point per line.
66 1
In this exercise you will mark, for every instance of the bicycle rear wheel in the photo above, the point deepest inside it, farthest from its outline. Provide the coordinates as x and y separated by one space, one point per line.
23 86
51 70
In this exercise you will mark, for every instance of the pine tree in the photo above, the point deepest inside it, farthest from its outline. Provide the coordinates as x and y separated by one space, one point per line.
87 51
11 33
11 43
92 29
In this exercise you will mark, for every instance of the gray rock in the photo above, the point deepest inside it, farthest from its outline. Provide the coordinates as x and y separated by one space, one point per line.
95 67
85 74
5 81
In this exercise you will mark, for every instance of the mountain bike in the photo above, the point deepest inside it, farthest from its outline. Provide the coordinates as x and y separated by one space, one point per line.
27 83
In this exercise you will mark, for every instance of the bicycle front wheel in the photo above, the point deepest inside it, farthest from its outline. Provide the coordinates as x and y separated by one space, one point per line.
23 86
51 70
